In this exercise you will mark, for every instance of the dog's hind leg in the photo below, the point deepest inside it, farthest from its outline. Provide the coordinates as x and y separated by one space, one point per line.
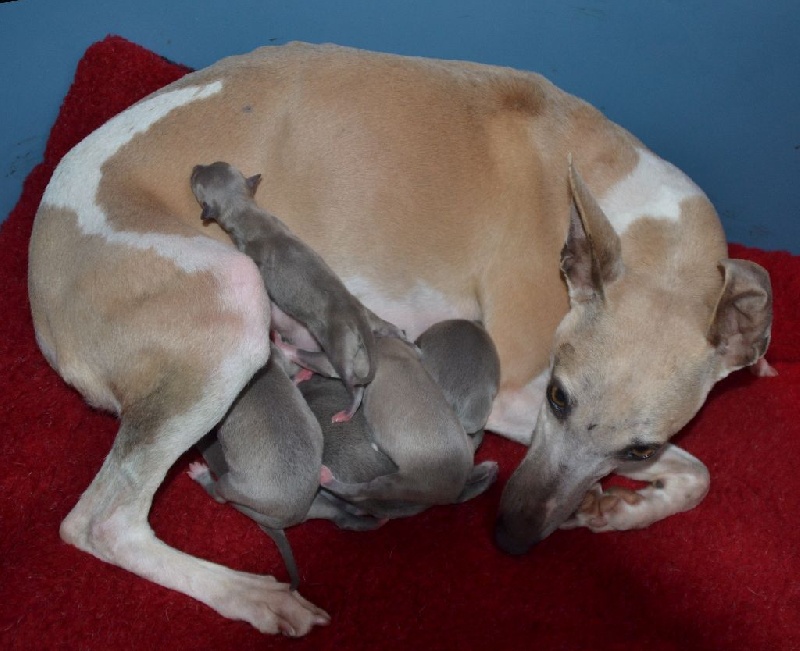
677 481
175 372
202 475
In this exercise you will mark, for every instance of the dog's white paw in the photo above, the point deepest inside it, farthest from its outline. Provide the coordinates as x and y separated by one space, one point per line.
614 509
675 482
271 607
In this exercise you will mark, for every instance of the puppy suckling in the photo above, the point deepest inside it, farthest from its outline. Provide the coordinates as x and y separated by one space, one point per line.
407 449
410 447
425 409
266 455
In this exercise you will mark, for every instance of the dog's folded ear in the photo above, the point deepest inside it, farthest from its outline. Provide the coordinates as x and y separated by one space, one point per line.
591 257
742 320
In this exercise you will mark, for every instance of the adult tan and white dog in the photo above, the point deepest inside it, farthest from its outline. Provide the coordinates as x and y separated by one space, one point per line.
435 189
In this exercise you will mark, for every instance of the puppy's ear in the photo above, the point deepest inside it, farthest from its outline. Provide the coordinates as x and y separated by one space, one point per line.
252 184
742 320
591 257
208 213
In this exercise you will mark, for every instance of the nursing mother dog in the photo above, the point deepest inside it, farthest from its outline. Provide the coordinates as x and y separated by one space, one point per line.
435 190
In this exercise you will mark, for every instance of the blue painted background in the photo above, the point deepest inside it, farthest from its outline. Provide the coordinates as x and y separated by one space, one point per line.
712 86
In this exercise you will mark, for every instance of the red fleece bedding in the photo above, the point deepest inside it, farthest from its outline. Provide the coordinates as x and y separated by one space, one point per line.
724 576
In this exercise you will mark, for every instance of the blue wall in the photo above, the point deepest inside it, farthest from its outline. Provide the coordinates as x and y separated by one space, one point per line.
712 86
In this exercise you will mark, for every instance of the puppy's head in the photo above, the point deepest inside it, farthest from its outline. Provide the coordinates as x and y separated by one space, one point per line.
633 361
219 185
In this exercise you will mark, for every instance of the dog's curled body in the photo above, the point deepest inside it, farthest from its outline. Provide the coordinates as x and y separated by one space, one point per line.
434 190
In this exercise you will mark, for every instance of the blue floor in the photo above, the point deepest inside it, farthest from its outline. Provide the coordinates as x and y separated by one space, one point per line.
714 87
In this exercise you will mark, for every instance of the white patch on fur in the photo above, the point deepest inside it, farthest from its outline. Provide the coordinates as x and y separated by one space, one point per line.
655 188
419 309
77 178
514 414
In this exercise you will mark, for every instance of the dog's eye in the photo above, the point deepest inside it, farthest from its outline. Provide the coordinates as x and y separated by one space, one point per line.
557 399
639 452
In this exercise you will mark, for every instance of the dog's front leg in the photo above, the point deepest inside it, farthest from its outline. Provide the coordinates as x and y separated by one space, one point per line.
677 481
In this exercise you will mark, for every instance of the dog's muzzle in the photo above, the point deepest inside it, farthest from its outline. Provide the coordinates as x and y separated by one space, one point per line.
536 502
510 540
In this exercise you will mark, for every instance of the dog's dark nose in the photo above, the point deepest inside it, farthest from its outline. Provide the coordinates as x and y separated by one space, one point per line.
509 542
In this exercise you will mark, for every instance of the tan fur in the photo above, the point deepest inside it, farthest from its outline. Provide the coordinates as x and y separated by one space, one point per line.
116 372
416 205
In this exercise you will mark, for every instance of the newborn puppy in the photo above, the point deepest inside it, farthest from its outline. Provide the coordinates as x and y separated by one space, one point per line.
267 456
352 457
461 357
350 453
298 280
407 416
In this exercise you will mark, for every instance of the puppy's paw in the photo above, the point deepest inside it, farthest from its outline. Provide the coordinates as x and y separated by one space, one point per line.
341 416
762 368
199 472
325 476
350 522
303 375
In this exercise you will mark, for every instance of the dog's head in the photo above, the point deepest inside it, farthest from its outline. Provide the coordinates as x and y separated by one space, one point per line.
633 361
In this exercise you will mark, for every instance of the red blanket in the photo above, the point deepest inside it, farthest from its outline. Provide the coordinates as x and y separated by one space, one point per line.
722 577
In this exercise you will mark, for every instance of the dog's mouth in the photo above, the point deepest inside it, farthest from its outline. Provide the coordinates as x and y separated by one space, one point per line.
539 497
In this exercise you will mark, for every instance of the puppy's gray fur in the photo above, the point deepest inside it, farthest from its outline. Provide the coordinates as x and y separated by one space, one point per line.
297 279
267 455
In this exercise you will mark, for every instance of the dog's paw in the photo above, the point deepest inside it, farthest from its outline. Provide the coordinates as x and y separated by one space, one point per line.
269 606
608 510
325 476
343 416
350 522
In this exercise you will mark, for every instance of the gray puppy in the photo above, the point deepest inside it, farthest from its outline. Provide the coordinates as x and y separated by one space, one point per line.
267 460
350 453
414 421
462 358
297 279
